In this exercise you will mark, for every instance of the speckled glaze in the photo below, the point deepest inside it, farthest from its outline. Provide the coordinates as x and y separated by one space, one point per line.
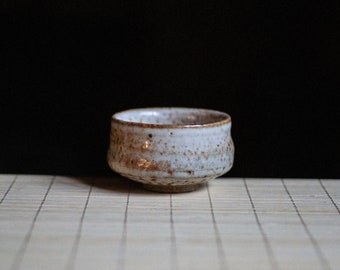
171 149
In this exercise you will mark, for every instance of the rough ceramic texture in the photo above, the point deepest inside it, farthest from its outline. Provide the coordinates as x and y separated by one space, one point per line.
171 149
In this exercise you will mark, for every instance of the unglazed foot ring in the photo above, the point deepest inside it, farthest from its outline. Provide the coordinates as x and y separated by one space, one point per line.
172 189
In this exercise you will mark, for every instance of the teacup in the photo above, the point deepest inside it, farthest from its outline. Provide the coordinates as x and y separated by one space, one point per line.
171 149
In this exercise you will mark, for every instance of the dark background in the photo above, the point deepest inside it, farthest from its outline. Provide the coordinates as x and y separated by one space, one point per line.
67 66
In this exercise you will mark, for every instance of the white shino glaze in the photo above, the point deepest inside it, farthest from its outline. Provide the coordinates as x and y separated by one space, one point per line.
171 149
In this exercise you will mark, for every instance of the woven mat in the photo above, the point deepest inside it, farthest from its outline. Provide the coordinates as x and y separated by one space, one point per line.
58 222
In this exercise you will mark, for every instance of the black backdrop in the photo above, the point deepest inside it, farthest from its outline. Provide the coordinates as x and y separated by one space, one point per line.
66 66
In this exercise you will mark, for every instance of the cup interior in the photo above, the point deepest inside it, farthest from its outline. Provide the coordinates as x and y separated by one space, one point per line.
172 116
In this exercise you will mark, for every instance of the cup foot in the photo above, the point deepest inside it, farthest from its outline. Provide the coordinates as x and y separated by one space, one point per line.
172 189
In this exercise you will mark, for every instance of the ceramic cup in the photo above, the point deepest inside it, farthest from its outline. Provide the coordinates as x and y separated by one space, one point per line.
171 149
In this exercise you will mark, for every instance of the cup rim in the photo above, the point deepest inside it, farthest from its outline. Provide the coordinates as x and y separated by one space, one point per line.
226 118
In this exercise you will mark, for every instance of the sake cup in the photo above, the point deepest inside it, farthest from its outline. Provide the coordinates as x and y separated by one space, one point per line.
171 149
